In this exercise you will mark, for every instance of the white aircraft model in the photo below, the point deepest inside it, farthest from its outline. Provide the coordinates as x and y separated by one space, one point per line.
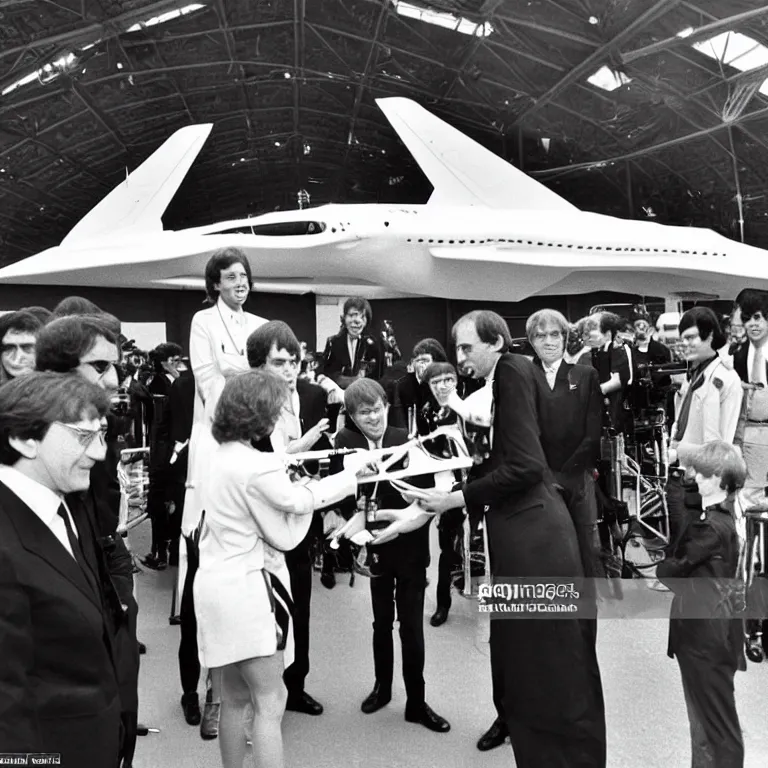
488 232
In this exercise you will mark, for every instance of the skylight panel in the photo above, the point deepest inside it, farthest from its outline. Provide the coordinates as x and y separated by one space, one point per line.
443 19
608 79
735 50
45 74
163 17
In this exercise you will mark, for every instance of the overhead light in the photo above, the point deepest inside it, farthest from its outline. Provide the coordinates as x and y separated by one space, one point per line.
163 17
119 65
277 144
287 75
735 50
683 33
608 79
594 20
45 74
307 148
443 19
242 159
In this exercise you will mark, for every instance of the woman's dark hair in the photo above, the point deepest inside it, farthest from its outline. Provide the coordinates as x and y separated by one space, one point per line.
21 321
488 326
221 260
249 406
41 313
438 369
363 392
706 321
751 301
720 459
63 342
276 333
162 352
30 404
430 347
611 323
361 305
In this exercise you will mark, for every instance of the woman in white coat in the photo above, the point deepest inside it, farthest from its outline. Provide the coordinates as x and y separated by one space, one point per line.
216 351
242 586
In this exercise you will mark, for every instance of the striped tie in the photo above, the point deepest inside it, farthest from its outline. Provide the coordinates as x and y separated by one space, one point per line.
282 606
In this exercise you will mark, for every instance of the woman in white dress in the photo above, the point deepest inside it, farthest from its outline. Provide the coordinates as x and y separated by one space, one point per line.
242 586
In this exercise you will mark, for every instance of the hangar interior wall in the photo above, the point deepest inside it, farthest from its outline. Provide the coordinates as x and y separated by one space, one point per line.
412 318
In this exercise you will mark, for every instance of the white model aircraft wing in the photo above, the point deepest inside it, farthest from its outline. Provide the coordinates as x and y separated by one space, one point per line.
462 171
138 203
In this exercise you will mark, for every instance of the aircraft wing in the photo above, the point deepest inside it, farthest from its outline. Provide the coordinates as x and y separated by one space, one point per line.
138 203
462 171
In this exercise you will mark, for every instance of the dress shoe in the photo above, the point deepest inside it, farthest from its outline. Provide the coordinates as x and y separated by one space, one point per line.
328 580
379 697
495 736
155 562
209 725
440 616
142 649
191 707
423 715
304 703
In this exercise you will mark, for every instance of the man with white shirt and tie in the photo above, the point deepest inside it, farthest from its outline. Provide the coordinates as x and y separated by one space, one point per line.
552 693
300 427
570 417
58 684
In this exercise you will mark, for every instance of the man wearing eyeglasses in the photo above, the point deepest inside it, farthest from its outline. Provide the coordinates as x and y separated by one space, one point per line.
301 427
58 686
88 346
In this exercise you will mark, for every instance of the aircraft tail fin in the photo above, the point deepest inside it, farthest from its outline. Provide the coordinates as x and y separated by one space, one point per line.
462 171
138 203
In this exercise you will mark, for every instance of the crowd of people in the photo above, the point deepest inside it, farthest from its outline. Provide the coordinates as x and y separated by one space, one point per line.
244 523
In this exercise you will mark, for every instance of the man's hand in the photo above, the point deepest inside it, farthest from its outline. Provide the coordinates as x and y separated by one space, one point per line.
353 526
433 501
403 521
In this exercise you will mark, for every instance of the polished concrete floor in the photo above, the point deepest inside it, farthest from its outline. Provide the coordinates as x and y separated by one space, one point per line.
645 711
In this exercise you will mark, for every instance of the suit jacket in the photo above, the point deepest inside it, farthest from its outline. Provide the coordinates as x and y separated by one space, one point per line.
181 405
336 363
714 412
740 361
530 532
700 574
58 688
570 417
411 548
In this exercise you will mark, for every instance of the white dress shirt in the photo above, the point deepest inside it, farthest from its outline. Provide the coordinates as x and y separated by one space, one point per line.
550 371
288 426
752 352
352 347
42 501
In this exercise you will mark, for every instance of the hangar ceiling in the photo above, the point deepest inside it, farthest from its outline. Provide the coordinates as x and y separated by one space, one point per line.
636 108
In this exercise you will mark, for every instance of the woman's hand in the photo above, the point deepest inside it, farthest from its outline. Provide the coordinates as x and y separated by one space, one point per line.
403 521
434 501
354 525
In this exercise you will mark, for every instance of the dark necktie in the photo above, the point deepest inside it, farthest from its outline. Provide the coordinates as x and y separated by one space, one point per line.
76 550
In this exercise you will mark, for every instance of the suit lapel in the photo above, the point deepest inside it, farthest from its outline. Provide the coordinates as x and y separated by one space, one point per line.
39 540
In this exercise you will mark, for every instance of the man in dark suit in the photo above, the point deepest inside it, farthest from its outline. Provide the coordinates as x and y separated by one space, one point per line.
301 427
552 694
88 346
570 417
399 564
354 351
58 685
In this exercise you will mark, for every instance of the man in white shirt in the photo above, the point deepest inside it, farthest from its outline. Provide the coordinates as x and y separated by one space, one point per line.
301 427
56 655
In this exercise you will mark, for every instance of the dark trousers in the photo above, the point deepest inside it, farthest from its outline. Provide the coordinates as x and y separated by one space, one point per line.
715 731
449 532
129 722
400 586
189 662
157 510
677 491
579 496
299 562
571 735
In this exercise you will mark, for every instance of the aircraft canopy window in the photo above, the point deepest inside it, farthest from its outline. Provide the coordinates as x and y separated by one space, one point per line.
277 229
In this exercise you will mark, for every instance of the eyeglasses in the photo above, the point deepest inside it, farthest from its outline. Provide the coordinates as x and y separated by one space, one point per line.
555 335
100 366
366 413
85 436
